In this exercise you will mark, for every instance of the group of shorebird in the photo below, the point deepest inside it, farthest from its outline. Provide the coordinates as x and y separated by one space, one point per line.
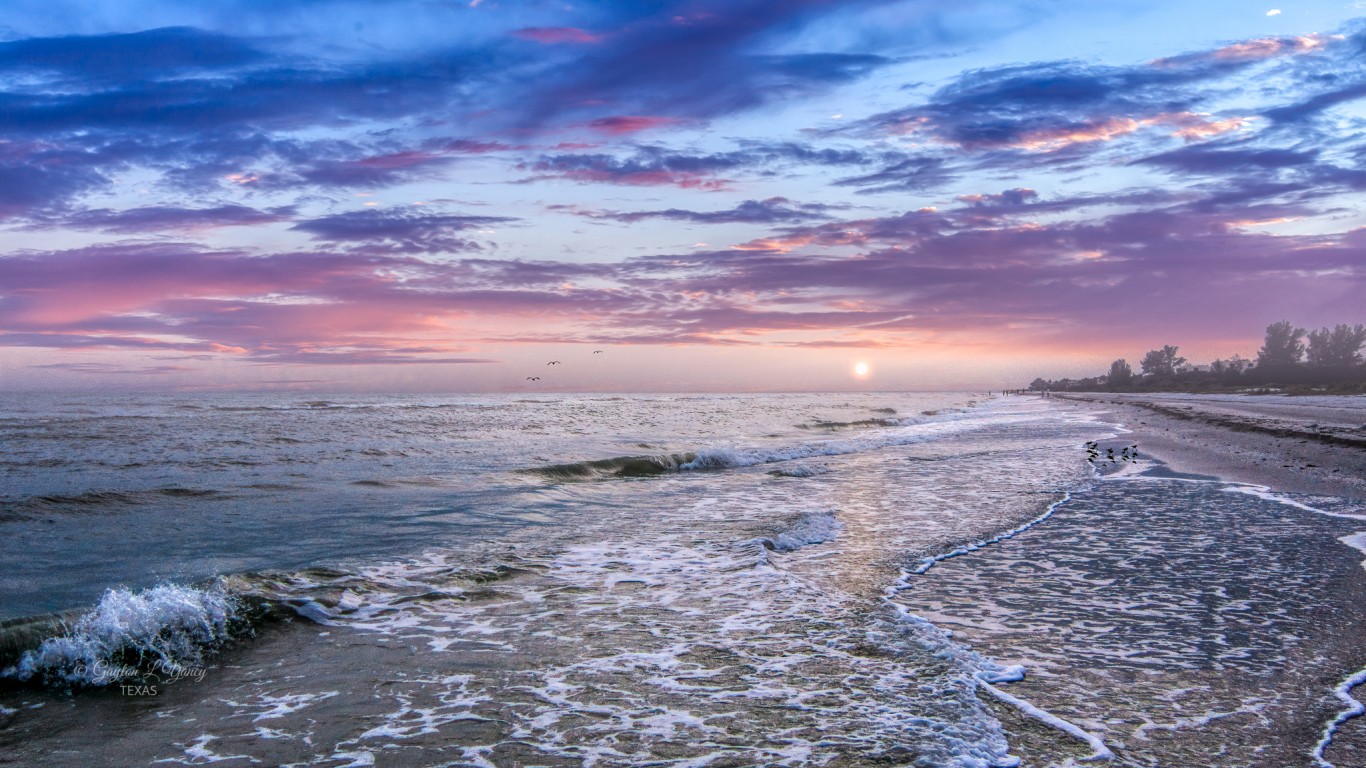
557 362
1128 455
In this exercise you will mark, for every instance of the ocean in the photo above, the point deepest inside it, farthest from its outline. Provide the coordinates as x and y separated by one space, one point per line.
921 579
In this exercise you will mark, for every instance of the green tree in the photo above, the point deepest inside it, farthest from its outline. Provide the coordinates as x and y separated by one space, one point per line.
1337 347
1162 362
1120 373
1235 365
1284 346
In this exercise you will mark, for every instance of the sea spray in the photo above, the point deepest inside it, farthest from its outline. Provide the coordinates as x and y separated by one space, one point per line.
164 630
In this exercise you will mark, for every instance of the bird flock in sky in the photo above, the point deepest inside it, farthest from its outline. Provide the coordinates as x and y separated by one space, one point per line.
557 362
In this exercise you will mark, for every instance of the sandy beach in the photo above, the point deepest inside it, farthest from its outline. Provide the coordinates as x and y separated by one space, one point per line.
1313 445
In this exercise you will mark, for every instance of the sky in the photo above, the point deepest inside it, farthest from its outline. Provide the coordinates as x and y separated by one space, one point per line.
730 195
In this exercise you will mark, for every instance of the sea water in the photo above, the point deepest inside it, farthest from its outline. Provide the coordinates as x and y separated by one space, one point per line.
718 580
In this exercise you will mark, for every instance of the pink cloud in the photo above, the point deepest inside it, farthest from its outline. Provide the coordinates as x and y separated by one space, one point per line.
1103 129
1271 46
392 160
1254 50
620 124
557 35
1190 126
1194 127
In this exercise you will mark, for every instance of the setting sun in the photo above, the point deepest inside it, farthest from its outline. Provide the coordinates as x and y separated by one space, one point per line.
861 369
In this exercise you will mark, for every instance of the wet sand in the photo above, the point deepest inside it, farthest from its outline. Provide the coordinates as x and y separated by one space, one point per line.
1310 445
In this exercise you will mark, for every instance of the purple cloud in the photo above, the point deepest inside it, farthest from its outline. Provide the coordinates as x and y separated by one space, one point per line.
162 218
400 231
774 210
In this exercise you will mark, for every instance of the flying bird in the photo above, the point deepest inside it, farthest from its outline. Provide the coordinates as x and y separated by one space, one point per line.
553 362
533 378
597 351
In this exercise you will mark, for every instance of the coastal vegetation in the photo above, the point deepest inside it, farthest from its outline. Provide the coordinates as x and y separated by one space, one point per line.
1291 359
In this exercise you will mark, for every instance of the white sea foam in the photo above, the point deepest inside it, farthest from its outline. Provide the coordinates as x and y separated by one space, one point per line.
1264 492
267 707
985 673
1352 708
929 562
701 648
358 758
412 720
198 753
1356 541
1235 626
1098 749
129 633
1197 721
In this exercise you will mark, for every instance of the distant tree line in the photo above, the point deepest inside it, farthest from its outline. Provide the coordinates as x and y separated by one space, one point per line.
1329 359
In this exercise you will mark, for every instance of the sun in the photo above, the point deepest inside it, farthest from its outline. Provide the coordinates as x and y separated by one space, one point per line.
861 369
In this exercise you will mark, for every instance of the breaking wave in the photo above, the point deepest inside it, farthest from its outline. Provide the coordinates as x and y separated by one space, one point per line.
130 634
834 426
899 432
620 466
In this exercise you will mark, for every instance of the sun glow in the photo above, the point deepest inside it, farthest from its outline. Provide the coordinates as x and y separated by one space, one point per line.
861 370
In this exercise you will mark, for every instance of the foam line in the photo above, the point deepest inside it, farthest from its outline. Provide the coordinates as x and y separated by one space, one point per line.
996 673
1264 492
1098 749
1354 709
929 562
1356 541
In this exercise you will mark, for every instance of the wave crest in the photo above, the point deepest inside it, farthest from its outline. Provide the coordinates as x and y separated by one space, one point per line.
619 466
133 633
